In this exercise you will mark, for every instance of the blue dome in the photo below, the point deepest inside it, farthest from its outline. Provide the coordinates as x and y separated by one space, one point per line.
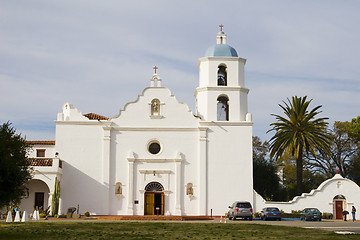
221 50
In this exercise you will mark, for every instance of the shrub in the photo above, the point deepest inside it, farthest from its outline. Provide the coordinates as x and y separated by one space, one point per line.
42 215
87 214
327 215
257 214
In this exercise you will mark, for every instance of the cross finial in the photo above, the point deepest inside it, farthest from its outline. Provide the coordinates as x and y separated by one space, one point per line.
337 171
221 26
155 68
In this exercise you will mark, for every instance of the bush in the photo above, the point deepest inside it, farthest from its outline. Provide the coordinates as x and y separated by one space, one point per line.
42 215
87 214
327 215
293 214
257 214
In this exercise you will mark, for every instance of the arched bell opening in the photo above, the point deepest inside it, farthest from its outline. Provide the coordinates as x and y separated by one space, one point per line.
223 108
222 75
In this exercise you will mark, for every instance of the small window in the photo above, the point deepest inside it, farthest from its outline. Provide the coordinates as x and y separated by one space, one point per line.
154 148
154 187
40 152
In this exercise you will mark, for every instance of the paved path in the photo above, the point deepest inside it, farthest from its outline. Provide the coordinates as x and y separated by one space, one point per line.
329 225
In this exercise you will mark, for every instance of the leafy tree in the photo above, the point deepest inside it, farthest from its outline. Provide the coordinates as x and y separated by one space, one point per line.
354 168
14 166
299 133
266 179
354 128
310 180
344 147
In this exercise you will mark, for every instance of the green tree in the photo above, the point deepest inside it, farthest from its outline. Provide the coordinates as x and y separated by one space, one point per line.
354 168
299 132
310 180
265 177
344 148
14 166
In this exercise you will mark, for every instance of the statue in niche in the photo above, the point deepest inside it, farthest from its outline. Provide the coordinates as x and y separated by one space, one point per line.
189 189
118 188
155 107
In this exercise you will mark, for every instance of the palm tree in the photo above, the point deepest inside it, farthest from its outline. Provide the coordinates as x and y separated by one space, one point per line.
300 132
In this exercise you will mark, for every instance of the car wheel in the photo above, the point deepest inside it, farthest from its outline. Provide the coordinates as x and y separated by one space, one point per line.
230 218
234 218
279 219
250 218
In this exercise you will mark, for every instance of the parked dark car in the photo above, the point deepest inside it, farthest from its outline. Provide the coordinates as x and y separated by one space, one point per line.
270 213
240 210
310 214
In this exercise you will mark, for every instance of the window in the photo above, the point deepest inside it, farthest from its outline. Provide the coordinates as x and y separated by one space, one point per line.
154 187
223 109
222 76
154 148
40 152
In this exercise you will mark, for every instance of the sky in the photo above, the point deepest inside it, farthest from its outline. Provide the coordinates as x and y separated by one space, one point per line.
99 55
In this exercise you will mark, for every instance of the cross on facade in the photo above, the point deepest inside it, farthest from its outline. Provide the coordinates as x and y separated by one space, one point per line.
155 68
221 26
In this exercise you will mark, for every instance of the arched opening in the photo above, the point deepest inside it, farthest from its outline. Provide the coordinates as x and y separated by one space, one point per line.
223 108
155 107
222 76
154 199
37 196
339 205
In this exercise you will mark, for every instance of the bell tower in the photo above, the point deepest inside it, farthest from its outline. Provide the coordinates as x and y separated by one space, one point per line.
226 141
221 94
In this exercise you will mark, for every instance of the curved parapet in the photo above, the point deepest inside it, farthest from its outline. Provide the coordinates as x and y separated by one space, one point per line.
321 197
168 111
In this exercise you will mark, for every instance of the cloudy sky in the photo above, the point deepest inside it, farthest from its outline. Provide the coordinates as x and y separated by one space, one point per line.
99 55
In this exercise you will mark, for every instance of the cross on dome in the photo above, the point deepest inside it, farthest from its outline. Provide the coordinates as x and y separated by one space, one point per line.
221 26
155 68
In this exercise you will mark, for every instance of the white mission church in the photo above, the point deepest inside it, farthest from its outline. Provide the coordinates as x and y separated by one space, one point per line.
158 157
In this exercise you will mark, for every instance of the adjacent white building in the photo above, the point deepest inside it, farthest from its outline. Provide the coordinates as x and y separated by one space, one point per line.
158 157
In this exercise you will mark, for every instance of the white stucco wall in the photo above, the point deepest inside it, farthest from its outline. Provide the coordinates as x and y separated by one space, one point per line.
321 198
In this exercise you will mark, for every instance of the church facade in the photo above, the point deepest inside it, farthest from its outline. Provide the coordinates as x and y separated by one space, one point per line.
156 156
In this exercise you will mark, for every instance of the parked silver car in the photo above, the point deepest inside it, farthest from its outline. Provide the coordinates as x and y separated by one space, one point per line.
270 213
240 210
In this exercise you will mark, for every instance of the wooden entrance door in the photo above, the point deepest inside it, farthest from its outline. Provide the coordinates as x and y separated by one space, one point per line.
154 203
338 209
39 200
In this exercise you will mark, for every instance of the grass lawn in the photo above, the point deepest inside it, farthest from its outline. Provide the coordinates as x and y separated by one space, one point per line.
157 230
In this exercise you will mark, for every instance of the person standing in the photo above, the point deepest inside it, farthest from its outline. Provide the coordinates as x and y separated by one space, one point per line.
353 211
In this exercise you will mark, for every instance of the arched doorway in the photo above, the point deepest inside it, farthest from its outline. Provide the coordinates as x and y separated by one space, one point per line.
338 202
154 199
37 196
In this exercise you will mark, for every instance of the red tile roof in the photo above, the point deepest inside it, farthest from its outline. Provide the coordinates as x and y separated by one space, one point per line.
41 142
94 116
